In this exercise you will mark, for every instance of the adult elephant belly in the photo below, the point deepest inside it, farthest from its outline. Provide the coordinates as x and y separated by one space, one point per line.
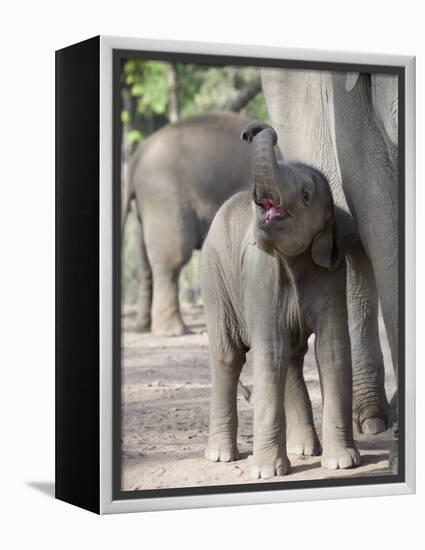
301 107
181 175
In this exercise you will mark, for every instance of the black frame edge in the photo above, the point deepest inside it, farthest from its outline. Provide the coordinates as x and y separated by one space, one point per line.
77 459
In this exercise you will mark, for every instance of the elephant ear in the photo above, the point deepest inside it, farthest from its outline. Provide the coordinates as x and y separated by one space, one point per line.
351 81
325 250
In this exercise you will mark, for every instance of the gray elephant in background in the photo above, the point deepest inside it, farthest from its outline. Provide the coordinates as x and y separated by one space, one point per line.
273 273
180 176
345 125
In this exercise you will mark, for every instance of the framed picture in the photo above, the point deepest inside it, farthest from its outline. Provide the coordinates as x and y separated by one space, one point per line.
234 272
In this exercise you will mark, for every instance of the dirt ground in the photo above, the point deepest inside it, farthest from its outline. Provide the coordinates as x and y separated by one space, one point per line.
165 409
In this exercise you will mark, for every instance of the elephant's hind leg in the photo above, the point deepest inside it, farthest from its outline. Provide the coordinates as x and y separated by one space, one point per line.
169 245
144 304
301 436
166 316
370 406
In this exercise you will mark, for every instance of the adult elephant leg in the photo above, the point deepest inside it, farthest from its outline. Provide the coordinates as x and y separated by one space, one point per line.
166 316
369 178
370 405
385 264
144 304
301 437
169 245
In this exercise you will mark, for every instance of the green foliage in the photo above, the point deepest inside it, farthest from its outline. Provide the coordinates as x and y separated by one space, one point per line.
147 81
200 89
134 136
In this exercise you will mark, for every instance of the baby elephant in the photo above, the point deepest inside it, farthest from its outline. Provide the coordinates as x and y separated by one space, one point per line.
272 274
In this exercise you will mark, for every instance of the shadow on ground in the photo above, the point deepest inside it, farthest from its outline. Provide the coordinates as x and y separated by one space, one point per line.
46 487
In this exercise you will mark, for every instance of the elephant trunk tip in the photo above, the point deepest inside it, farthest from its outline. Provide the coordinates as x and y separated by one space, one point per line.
254 128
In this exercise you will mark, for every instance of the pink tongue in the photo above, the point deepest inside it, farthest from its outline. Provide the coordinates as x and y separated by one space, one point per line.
274 212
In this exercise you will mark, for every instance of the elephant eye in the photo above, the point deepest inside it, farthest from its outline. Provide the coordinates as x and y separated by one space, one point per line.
306 198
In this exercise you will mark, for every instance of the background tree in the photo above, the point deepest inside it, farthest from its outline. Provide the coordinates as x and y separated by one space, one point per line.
155 93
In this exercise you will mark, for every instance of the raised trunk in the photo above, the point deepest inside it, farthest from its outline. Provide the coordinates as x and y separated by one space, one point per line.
265 168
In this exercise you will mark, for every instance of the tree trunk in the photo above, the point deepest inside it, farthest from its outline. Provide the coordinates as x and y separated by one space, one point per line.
173 82
244 96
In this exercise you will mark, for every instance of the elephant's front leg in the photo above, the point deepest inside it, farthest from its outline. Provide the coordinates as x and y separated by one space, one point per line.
370 406
300 432
332 346
270 458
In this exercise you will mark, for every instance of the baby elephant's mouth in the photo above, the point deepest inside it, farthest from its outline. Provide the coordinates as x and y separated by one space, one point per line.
271 211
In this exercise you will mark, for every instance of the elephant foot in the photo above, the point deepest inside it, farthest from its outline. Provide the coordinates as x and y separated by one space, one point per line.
171 327
303 442
373 426
269 467
224 451
340 458
372 420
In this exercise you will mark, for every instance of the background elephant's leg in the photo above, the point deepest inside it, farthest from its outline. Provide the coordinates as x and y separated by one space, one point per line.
370 406
170 238
144 301
301 435
166 316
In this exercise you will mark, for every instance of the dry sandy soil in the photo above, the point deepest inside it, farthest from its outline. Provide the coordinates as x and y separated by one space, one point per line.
165 408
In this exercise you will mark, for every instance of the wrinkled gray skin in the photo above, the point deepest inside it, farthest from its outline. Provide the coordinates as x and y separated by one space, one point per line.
180 176
268 284
345 125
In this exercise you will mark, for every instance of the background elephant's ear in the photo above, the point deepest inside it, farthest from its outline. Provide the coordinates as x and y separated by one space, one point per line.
351 81
325 250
